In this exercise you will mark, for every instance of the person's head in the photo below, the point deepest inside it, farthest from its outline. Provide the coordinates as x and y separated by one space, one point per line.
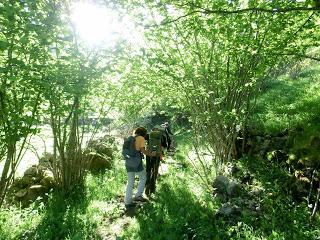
141 131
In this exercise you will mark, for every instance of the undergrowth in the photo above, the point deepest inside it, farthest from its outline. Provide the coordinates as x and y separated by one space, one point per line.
287 103
76 216
179 211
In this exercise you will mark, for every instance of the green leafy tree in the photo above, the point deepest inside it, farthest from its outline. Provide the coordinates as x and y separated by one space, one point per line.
73 74
23 44
45 70
215 54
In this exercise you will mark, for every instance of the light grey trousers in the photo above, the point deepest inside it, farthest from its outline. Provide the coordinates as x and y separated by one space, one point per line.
130 184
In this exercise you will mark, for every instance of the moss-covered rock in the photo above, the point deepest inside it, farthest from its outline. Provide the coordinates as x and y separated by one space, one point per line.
100 154
36 182
46 160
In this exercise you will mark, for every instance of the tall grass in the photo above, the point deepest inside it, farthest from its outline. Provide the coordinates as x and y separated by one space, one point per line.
288 103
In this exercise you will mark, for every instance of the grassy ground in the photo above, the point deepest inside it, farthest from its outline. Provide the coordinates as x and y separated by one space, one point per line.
77 216
288 103
181 209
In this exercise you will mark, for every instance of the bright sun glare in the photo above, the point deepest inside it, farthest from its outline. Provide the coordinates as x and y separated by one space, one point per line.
98 25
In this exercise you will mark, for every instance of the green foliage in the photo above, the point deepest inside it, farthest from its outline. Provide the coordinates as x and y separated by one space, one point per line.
45 70
199 63
283 217
289 103
24 51
208 64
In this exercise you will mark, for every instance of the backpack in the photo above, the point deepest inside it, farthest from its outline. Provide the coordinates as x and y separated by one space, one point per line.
154 143
130 154
128 148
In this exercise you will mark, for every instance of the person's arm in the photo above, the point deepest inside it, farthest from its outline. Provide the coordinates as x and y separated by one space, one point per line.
140 146
169 130
148 153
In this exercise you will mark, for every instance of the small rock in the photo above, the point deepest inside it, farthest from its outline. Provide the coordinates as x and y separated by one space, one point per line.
47 174
21 193
32 171
233 189
35 191
46 160
221 184
27 180
221 197
315 142
227 209
47 182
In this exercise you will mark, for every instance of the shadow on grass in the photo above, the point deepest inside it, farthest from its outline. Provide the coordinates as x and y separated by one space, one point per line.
64 217
309 72
283 216
175 213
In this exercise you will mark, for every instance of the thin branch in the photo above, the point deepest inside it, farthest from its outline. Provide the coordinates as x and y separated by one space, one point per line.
257 9
304 24
165 22
300 56
227 12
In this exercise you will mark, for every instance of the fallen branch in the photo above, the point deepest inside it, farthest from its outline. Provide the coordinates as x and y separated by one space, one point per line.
302 56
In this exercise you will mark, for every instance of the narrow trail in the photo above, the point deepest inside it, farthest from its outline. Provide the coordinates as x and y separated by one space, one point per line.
117 218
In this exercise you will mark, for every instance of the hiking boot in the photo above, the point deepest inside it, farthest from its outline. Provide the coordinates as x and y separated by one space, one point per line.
151 197
147 191
140 199
130 205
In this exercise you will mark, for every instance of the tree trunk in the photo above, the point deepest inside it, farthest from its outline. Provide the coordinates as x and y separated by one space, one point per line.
4 182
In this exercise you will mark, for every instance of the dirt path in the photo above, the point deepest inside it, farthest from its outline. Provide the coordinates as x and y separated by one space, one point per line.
117 218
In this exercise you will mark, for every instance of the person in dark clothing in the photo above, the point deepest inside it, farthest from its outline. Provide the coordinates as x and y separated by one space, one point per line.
167 132
157 137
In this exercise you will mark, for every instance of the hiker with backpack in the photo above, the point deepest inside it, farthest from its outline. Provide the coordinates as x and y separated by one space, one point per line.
167 131
132 151
156 141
